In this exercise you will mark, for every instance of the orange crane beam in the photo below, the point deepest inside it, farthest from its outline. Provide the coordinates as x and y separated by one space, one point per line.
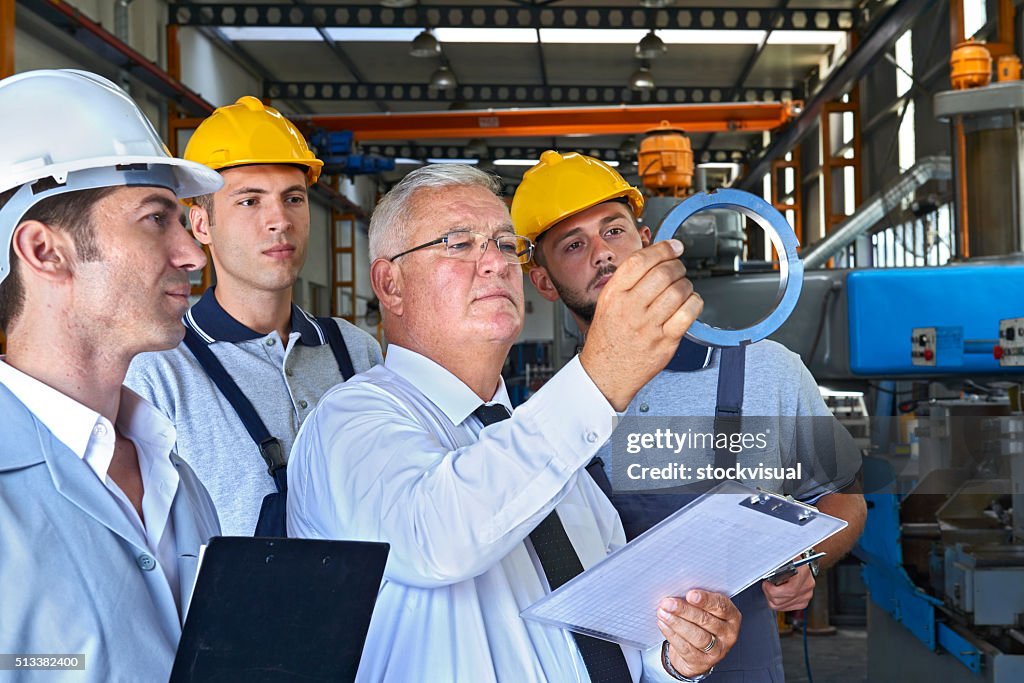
6 38
549 122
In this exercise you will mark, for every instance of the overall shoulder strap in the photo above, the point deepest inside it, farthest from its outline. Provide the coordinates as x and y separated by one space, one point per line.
338 347
270 447
729 409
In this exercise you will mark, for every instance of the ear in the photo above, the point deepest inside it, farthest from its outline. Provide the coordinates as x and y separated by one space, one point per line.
542 281
386 280
645 236
44 252
200 221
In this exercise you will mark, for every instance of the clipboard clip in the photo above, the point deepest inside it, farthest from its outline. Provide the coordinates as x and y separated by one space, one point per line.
785 509
788 570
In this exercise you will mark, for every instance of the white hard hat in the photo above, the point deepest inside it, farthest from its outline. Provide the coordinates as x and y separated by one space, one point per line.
83 132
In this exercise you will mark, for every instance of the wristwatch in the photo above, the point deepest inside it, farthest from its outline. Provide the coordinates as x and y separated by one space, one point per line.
813 564
666 664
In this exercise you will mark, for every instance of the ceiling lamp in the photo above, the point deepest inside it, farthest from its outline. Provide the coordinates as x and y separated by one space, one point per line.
642 79
657 4
628 148
425 45
650 46
477 147
442 79
397 4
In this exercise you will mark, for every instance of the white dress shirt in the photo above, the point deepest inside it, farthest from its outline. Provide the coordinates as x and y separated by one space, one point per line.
91 437
396 455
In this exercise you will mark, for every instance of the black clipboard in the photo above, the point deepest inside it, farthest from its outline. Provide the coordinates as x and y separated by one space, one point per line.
277 609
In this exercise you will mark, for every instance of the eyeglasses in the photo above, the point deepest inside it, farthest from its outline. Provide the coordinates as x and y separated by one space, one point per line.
470 246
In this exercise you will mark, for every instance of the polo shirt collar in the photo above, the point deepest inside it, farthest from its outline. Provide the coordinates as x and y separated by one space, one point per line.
213 324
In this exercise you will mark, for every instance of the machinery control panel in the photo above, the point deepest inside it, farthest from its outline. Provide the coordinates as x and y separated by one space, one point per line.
930 346
1009 350
922 346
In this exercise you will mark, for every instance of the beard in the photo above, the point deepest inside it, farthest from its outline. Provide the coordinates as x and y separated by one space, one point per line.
577 302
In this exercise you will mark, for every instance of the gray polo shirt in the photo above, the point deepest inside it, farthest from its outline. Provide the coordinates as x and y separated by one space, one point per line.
782 395
779 396
283 382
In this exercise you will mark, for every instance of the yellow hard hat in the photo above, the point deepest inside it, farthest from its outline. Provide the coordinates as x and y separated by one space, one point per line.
561 185
249 132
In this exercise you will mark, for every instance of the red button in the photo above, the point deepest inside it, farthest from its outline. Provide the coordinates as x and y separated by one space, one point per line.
997 352
929 354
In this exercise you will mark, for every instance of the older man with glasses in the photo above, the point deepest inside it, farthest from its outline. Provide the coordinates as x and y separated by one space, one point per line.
487 509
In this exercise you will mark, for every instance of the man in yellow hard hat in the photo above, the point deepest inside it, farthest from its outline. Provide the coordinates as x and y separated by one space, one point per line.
585 220
253 364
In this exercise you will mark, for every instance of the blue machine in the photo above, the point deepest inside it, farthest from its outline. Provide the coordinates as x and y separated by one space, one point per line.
335 150
885 305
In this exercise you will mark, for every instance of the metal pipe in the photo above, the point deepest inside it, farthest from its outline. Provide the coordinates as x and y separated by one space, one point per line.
121 19
963 229
876 208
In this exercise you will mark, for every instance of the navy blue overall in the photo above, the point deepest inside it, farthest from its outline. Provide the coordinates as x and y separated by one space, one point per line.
272 519
756 657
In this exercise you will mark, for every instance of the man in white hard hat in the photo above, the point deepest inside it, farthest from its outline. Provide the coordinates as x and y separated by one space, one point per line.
100 522
280 358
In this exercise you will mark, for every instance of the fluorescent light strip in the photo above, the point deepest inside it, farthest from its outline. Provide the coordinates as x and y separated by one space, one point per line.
486 35
471 162
531 162
615 36
271 33
806 37
515 162
549 36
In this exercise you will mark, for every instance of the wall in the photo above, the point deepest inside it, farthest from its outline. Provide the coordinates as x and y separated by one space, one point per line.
207 70
539 319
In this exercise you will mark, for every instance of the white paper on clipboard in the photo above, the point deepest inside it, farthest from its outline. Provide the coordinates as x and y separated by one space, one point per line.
723 541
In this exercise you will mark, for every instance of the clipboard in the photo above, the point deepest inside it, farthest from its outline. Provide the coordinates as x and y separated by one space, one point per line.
724 541
277 609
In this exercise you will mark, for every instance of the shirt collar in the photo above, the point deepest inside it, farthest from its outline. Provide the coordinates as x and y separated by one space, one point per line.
212 323
690 356
449 393
72 423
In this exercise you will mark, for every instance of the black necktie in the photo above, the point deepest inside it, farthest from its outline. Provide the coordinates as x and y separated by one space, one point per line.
603 659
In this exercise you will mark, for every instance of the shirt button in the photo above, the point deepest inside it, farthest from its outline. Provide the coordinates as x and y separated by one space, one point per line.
146 562
303 404
99 430
270 341
644 407
591 437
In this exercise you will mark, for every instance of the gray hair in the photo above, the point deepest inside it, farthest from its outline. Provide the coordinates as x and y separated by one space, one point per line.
389 225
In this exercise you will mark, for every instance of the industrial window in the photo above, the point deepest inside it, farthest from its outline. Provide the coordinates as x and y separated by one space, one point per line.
906 138
975 16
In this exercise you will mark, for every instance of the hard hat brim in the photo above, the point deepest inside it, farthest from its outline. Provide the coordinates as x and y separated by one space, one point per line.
313 166
189 178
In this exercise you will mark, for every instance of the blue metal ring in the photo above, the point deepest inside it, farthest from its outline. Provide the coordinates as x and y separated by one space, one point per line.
791 268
